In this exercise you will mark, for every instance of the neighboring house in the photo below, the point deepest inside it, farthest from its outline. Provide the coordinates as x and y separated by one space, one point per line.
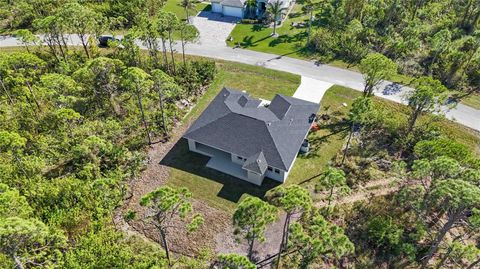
250 140
238 8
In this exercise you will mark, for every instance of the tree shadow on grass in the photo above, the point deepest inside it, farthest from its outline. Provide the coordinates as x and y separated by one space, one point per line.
181 158
258 27
317 141
295 14
299 37
249 42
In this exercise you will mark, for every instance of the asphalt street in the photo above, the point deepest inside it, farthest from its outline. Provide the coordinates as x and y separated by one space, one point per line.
463 114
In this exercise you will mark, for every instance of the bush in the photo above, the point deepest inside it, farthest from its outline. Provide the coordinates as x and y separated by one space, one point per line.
130 215
205 70
250 21
431 149
195 74
323 42
383 232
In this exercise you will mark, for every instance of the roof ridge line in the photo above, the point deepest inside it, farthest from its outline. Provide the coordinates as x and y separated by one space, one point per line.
210 122
276 146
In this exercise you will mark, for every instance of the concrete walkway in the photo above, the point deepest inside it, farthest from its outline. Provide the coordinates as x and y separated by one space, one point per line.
463 114
312 89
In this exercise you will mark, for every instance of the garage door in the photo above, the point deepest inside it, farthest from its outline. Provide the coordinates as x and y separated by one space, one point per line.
216 7
233 11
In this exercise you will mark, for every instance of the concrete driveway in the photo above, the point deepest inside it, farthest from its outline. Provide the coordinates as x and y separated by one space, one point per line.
214 28
312 89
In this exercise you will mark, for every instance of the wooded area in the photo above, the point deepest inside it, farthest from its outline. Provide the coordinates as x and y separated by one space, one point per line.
76 124
437 38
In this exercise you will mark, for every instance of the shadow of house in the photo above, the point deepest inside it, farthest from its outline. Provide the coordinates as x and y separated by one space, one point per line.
217 17
179 157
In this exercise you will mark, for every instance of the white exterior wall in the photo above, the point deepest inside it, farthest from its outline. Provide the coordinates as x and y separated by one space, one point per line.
216 7
280 177
233 11
236 160
191 145
255 178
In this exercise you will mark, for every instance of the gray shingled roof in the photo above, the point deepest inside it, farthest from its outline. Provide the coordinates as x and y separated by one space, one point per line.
234 122
256 163
233 3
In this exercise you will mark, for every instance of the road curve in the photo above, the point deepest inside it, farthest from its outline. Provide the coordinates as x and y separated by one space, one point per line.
462 114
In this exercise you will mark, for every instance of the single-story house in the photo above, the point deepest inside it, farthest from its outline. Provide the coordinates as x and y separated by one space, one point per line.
249 138
238 8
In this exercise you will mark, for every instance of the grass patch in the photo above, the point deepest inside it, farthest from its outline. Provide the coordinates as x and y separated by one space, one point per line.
326 142
174 6
472 101
290 41
224 192
188 168
257 81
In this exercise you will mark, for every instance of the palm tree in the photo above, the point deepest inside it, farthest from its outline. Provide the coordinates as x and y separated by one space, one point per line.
187 4
309 8
251 4
275 8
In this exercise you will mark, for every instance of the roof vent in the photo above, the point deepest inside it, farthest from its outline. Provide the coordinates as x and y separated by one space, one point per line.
242 101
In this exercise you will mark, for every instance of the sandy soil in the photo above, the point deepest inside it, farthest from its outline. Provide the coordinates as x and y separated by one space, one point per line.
226 243
216 233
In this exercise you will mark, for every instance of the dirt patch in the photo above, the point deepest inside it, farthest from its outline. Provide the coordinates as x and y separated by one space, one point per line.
217 233
227 242
372 189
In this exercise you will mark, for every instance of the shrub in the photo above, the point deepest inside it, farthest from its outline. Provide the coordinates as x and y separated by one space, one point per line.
384 232
431 149
130 215
323 42
195 74
206 70
250 21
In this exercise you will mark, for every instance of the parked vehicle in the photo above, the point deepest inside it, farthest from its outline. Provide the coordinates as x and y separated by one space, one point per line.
104 39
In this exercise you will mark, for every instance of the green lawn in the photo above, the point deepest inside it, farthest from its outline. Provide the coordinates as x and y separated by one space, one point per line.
188 169
326 142
224 192
290 41
174 6
472 100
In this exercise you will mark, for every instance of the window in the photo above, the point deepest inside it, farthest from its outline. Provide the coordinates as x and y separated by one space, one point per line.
277 171
270 169
240 158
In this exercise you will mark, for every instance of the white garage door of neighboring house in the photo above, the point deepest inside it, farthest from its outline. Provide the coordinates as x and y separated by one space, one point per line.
216 7
233 11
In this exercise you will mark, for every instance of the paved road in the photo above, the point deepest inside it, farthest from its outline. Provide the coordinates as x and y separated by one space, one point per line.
463 114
